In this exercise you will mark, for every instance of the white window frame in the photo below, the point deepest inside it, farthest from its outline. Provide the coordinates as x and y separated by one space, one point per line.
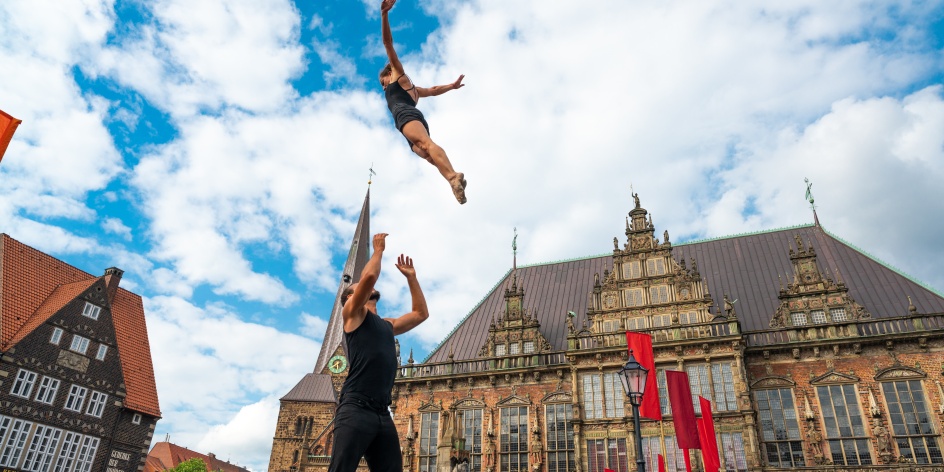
13 446
70 449
529 347
91 310
136 419
79 344
797 316
818 316
56 336
96 404
48 387
76 400
41 449
500 349
83 462
23 385
102 351
514 349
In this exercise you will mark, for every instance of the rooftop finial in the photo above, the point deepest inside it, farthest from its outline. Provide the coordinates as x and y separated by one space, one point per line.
514 251
809 198
370 176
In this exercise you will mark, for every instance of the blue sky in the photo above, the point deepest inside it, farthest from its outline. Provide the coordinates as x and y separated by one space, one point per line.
217 151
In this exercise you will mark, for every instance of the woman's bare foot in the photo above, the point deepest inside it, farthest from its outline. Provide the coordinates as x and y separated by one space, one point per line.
458 183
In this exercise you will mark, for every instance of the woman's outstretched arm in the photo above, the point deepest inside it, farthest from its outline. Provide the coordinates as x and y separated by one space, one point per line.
385 7
440 89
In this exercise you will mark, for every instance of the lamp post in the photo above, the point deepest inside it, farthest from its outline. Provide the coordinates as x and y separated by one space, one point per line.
634 376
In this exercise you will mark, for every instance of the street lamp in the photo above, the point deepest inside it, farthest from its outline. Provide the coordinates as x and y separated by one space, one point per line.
634 376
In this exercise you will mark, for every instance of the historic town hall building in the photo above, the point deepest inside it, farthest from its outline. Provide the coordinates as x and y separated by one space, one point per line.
814 355
77 391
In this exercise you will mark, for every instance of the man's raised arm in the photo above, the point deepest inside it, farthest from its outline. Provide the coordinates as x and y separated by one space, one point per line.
353 310
420 312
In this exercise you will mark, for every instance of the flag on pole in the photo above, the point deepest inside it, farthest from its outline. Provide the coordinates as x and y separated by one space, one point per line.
641 345
608 470
707 438
661 463
683 412
688 460
8 125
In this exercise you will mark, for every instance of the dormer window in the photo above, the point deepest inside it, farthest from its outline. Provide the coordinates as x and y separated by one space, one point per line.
838 314
799 318
514 348
528 347
79 344
818 316
91 310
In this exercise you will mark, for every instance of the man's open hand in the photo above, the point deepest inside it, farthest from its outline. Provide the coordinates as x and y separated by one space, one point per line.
405 266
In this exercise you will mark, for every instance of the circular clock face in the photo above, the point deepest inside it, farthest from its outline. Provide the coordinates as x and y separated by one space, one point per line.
337 364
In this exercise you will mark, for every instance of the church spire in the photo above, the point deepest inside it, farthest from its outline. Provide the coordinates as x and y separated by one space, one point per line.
357 258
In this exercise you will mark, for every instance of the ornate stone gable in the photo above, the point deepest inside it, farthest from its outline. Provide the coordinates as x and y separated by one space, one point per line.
516 331
647 287
813 298
900 372
832 378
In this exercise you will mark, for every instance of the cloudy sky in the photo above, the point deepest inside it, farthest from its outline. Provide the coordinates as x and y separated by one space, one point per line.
218 151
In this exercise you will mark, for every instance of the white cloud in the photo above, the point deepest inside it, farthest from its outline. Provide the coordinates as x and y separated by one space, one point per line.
313 326
114 225
237 367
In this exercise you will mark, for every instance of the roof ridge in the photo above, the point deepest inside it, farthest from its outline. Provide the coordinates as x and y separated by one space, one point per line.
883 263
467 315
749 233
561 261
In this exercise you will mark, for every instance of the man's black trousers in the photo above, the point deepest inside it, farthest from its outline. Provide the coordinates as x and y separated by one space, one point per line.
363 430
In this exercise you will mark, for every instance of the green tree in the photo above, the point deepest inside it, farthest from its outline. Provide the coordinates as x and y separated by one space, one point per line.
193 465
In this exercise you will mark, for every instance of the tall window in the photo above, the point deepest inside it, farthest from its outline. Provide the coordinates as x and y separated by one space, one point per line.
558 421
663 391
845 432
722 381
715 383
651 448
911 423
429 438
607 454
91 310
23 385
631 270
779 429
603 396
83 462
732 445
674 457
76 398
70 449
79 344
470 424
46 392
96 404
636 324
41 448
655 266
13 446
513 452
634 297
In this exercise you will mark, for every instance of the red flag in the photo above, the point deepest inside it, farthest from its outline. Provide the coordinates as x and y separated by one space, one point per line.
608 470
641 345
688 460
661 463
8 125
683 413
707 438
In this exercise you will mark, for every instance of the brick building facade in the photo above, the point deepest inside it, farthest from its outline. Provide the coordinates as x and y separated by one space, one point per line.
77 390
814 355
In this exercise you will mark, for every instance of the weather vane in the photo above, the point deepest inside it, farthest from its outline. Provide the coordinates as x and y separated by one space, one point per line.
809 192
370 176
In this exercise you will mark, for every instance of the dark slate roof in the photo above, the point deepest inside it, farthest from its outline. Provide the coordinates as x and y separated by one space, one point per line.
312 388
746 267
357 258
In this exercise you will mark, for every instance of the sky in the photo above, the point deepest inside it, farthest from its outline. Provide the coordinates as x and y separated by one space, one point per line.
218 151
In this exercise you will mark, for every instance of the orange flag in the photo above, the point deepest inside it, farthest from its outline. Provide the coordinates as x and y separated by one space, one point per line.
8 125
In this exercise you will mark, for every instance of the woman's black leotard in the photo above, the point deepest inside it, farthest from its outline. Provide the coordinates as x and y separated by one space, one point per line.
402 106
